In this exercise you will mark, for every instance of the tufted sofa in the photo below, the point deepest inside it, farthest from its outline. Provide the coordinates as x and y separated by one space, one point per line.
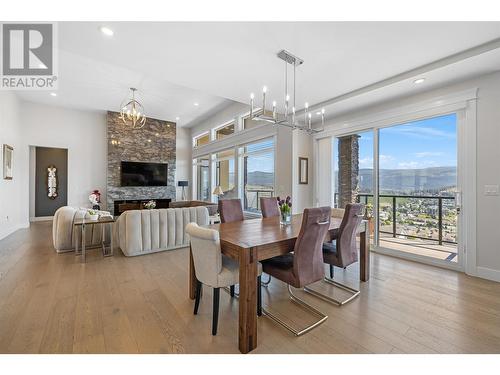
64 235
148 231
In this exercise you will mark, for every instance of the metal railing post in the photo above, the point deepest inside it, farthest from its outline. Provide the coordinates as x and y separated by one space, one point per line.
440 220
394 216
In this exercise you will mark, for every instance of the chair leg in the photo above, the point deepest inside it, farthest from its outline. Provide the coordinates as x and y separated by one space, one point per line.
331 271
215 314
306 306
265 284
197 297
259 296
231 290
354 292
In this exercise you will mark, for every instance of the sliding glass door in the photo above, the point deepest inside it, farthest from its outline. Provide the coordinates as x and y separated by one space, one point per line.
418 182
407 175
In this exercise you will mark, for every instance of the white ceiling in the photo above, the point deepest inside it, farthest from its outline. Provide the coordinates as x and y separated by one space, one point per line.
176 64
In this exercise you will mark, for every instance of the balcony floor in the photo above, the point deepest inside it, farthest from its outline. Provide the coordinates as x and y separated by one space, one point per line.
432 249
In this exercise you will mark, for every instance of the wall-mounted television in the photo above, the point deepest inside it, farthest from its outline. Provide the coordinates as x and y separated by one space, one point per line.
143 174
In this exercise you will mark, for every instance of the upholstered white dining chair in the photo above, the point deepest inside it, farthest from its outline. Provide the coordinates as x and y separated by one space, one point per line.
214 269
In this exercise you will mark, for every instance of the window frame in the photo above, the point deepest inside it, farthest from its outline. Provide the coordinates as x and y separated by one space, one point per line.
241 160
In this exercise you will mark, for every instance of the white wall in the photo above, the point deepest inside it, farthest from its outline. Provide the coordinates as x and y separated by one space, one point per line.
83 133
284 158
11 200
488 160
301 194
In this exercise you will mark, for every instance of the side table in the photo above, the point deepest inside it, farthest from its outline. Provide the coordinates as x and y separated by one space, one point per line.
83 223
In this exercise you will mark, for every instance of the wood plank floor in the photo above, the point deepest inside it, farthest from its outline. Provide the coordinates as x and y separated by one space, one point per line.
51 303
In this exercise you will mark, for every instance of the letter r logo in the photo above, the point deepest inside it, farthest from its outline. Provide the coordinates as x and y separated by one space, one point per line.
27 49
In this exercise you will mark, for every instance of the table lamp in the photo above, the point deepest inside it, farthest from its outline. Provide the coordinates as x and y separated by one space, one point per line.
218 191
183 184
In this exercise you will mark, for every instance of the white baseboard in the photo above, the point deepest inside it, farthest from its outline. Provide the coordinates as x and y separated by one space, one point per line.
13 229
488 273
41 218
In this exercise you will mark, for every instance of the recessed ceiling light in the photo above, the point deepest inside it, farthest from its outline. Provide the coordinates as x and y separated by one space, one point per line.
196 104
53 94
318 113
106 31
177 118
418 81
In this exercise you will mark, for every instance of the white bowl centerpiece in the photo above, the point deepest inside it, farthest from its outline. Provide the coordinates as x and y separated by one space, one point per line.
92 215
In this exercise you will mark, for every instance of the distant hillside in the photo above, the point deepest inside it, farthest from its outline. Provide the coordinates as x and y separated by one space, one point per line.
401 180
260 178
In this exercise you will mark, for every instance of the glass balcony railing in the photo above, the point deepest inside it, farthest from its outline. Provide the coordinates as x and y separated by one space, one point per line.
423 217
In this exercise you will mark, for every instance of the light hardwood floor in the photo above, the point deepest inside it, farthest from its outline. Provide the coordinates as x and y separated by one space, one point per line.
51 303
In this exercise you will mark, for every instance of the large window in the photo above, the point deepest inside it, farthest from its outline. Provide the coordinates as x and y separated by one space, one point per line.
202 166
224 131
258 173
201 140
224 176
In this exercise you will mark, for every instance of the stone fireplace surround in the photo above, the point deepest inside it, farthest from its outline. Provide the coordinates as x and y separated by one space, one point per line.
155 142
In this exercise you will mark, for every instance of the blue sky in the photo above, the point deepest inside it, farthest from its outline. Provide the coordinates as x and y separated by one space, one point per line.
419 144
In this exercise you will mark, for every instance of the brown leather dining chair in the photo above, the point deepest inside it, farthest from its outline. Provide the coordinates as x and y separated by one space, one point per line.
230 210
304 266
342 251
269 207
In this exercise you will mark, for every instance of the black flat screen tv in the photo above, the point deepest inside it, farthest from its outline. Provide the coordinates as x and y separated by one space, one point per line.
143 174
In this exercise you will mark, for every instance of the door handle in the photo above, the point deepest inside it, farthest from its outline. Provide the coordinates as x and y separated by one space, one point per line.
458 202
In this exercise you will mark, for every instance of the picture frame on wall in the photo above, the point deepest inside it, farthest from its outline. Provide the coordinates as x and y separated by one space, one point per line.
303 171
8 158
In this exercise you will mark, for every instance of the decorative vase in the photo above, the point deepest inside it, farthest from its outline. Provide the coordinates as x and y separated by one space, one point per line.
285 218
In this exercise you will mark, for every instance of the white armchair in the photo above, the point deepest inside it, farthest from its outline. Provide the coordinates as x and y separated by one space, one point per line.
64 235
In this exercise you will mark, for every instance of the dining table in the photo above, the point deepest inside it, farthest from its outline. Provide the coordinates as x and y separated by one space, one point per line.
253 240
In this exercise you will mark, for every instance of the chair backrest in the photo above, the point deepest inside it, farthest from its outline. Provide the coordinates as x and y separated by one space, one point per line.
205 247
269 207
346 242
230 210
308 251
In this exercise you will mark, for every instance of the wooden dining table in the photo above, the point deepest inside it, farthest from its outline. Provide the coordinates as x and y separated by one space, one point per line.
253 240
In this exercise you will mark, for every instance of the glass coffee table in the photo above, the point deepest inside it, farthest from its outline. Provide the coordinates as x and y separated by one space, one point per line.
82 225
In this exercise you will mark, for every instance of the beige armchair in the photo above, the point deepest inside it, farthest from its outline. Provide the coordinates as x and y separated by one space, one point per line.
214 269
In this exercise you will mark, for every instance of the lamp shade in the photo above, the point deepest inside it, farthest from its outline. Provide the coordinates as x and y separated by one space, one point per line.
218 191
182 183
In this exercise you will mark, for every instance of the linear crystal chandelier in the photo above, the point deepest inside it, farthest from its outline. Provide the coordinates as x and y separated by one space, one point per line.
132 112
289 117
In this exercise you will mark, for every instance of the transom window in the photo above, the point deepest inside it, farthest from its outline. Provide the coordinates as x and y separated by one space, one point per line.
224 131
201 139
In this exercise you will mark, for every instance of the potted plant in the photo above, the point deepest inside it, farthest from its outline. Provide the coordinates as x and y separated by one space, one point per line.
285 207
92 215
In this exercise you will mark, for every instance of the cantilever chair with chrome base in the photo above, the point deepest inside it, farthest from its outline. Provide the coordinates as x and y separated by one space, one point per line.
304 266
342 252
214 269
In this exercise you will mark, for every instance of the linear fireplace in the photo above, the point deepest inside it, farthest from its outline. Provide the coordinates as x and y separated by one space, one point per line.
120 206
